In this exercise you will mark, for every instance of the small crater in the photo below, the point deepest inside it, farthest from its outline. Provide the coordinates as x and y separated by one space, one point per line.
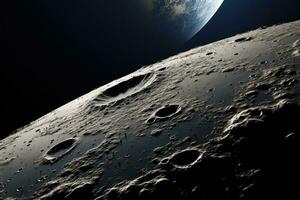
20 189
164 113
59 150
263 62
244 39
162 69
185 158
211 89
256 113
167 111
150 120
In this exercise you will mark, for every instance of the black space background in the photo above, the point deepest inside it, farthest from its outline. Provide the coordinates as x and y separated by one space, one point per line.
39 73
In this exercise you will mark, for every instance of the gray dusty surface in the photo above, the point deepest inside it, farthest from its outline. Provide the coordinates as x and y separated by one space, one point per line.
217 121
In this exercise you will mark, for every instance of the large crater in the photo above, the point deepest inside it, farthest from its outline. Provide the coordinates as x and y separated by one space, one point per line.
59 150
123 89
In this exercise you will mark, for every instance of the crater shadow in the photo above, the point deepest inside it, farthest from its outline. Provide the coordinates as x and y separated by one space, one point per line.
59 150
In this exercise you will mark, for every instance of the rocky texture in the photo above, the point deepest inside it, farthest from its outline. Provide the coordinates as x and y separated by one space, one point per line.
256 157
218 121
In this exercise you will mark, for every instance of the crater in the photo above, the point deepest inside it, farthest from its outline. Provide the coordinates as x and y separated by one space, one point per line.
126 88
243 39
256 113
59 150
167 111
164 112
185 158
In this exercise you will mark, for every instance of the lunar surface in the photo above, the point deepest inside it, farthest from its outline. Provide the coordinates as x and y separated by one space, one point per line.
216 122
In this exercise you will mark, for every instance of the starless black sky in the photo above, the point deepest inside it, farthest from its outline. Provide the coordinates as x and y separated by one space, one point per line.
41 68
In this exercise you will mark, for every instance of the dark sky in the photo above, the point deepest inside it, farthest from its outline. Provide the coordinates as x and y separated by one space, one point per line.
42 68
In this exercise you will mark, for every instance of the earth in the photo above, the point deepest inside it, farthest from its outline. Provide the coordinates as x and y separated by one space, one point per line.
126 27
181 19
